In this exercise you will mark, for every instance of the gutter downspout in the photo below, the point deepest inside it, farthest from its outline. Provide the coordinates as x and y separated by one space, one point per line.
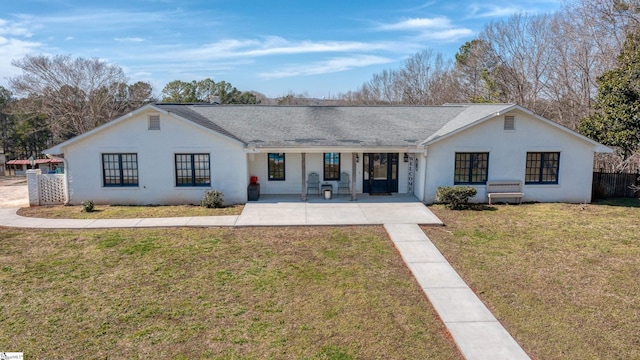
424 185
66 178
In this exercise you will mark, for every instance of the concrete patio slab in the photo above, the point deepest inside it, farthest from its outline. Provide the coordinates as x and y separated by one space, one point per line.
255 214
399 213
343 214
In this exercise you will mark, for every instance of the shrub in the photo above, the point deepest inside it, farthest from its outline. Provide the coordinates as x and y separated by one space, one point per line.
455 196
212 199
87 206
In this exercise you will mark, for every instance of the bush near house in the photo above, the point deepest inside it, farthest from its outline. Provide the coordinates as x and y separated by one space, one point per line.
456 196
87 206
212 199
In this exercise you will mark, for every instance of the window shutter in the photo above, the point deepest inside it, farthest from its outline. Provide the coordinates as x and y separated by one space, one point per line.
510 122
154 122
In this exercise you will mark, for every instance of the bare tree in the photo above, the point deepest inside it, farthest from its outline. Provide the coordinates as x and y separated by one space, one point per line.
75 95
423 79
520 52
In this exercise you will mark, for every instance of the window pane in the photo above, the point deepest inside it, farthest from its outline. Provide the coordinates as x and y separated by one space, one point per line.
332 166
193 170
276 166
471 168
542 168
120 169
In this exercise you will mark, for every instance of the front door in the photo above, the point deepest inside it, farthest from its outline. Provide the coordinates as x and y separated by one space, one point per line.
380 173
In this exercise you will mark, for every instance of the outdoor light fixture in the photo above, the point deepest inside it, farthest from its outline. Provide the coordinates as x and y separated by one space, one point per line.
32 162
357 158
406 157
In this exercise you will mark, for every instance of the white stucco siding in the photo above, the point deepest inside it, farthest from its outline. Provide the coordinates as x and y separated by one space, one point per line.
507 158
156 151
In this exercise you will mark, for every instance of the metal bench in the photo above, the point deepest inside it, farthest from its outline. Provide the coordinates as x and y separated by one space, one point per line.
505 189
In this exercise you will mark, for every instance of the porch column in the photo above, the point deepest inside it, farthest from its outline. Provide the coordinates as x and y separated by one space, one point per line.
304 176
353 176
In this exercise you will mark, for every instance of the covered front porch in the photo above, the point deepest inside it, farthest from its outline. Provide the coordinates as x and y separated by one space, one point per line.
305 174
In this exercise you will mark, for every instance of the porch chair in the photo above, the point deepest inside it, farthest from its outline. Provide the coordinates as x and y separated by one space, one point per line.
344 183
313 183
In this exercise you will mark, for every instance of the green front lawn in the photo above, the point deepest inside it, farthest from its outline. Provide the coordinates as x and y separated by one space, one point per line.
563 279
246 293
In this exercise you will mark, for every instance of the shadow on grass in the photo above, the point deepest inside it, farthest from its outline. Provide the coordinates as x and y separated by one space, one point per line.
623 202
474 207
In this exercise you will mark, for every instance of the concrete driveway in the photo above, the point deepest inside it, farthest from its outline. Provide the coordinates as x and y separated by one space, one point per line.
13 192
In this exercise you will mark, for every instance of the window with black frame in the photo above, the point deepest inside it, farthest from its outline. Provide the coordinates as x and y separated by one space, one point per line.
193 170
471 168
542 168
120 169
331 166
276 166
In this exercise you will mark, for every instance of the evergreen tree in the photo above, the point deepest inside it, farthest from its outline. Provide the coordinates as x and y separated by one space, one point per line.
616 121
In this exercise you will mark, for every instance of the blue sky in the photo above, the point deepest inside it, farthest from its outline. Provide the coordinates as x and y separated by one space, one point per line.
320 48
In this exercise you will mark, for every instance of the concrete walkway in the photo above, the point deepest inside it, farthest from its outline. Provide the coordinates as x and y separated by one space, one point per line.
269 211
474 329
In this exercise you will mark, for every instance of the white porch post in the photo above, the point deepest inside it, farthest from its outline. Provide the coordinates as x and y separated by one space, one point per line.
304 176
353 176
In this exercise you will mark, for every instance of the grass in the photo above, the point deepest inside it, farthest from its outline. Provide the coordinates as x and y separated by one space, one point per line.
126 212
245 293
563 279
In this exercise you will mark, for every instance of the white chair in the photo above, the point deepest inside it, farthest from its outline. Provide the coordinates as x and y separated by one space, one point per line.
344 184
313 183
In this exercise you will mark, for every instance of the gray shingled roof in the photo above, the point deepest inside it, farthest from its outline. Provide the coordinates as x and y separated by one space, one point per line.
300 126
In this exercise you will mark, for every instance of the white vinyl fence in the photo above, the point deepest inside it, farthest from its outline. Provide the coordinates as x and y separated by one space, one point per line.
46 189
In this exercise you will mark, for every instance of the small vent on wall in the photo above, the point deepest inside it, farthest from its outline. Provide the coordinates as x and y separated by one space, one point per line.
154 122
509 122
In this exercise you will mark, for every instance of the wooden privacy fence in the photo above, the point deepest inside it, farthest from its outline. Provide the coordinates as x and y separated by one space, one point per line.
607 184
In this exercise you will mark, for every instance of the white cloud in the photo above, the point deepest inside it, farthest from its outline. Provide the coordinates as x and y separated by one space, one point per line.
13 49
437 28
130 39
273 45
333 65
484 11
446 35
13 28
418 24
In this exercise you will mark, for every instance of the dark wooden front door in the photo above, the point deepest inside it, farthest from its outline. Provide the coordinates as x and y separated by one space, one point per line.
380 173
